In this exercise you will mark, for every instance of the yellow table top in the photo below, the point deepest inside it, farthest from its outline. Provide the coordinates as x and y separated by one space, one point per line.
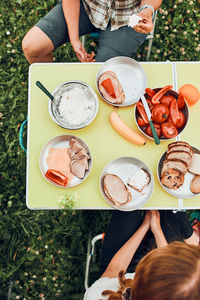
104 142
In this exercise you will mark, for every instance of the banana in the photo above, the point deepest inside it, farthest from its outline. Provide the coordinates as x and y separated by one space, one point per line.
124 130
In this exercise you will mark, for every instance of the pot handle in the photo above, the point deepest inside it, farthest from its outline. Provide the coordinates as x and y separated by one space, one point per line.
21 131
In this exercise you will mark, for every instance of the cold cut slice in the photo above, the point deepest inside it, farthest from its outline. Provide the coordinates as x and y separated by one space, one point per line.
116 190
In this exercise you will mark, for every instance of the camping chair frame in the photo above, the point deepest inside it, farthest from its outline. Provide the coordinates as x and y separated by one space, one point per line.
90 255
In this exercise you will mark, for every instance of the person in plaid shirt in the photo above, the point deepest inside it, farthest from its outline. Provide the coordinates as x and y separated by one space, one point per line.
69 20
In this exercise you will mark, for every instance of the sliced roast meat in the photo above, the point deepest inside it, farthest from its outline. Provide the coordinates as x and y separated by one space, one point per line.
83 161
74 147
118 90
79 158
77 168
82 153
116 190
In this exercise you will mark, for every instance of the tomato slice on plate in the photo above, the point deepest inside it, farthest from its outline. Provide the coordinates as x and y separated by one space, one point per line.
169 130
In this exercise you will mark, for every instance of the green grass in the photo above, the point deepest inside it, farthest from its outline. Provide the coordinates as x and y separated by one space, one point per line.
43 252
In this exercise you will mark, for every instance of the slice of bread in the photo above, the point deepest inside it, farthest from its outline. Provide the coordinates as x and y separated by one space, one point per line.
195 164
183 155
139 180
179 143
195 185
173 179
174 164
180 148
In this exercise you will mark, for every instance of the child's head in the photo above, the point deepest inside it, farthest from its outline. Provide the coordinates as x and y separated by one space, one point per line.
168 273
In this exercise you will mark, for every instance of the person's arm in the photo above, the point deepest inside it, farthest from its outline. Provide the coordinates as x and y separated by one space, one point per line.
156 229
123 257
193 239
146 25
71 10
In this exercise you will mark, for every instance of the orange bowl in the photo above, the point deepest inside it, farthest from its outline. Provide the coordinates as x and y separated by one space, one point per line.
190 93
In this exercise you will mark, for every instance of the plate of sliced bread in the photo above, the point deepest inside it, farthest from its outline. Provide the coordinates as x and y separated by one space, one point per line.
179 170
126 183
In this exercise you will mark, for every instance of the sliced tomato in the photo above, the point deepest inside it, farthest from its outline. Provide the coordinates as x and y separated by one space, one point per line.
169 130
167 99
180 101
142 112
150 92
157 128
160 113
158 95
108 86
141 122
181 121
174 112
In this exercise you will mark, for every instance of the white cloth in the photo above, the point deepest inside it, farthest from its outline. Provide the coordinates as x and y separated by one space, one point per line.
104 283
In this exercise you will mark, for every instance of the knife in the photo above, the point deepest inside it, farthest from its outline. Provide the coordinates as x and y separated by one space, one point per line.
147 110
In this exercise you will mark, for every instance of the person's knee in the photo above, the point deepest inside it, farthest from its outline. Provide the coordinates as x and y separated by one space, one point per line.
30 49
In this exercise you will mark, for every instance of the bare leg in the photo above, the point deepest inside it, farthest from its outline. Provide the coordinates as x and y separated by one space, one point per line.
37 46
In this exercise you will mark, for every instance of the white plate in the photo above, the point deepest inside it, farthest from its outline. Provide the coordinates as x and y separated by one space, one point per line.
131 76
126 167
184 191
62 141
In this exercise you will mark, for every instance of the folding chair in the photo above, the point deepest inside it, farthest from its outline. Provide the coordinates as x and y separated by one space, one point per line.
91 255
149 37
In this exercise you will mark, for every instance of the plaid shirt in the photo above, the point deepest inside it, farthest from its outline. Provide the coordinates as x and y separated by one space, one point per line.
117 12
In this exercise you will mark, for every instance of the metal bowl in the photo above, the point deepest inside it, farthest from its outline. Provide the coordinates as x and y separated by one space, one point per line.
131 76
62 141
185 110
53 106
126 167
184 191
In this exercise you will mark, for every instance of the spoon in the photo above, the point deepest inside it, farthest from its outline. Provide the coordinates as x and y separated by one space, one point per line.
41 86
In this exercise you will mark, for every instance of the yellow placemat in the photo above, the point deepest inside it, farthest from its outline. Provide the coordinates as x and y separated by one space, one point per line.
104 142
190 73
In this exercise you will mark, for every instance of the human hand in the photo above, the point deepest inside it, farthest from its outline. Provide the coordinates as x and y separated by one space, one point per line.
147 218
145 25
80 52
155 221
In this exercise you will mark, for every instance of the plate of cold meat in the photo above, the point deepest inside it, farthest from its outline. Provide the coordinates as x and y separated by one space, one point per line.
119 81
179 170
65 161
126 183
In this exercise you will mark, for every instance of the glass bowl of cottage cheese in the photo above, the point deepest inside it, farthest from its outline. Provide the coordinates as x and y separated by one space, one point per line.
75 105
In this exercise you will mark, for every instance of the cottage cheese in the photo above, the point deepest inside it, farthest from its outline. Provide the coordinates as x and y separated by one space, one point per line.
75 108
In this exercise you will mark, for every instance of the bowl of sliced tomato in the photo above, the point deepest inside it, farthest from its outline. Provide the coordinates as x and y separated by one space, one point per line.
169 113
